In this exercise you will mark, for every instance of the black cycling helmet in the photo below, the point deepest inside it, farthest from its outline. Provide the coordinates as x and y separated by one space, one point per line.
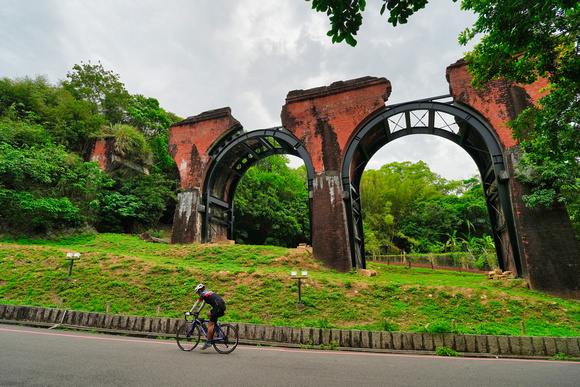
200 287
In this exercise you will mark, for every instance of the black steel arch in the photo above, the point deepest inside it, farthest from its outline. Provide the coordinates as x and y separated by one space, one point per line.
455 123
233 154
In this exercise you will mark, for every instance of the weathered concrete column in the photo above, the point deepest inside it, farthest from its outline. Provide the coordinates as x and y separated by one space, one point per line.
546 239
324 119
189 141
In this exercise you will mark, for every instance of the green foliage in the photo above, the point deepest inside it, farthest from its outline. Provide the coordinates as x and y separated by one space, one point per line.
444 351
346 16
408 207
438 327
45 130
131 145
101 88
44 188
25 212
523 43
67 121
134 204
387 195
147 116
272 205
22 133
332 346
560 356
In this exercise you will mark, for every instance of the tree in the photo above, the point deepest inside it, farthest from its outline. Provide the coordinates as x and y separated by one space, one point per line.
389 194
102 89
271 204
407 206
44 133
36 103
522 40
148 116
134 204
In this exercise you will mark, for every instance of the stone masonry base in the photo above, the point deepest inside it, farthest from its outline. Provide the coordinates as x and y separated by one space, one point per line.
420 342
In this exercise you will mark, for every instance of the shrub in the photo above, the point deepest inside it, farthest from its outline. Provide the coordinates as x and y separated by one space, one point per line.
444 351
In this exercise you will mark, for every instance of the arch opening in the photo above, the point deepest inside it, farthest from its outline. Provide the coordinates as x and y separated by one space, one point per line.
453 123
232 156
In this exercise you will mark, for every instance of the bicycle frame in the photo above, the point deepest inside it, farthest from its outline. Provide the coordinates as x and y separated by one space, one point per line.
200 321
189 335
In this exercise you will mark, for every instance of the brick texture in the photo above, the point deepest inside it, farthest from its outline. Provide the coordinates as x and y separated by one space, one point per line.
324 119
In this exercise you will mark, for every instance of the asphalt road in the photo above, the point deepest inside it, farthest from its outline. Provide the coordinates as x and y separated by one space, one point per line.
42 357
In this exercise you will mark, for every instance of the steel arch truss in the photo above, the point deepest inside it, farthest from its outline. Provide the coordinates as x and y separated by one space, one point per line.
232 156
454 123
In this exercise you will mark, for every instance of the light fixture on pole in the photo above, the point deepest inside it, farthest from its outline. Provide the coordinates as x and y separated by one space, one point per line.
294 275
72 257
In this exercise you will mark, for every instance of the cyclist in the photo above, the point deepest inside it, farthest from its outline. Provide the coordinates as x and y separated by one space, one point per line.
218 309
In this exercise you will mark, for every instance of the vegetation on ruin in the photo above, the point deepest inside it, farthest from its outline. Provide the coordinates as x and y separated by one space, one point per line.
136 276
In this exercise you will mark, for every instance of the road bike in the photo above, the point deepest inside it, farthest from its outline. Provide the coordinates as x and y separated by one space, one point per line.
192 332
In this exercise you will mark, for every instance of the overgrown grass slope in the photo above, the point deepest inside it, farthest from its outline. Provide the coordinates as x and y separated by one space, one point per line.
136 277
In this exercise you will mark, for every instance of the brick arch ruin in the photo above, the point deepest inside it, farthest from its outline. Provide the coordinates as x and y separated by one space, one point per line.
336 129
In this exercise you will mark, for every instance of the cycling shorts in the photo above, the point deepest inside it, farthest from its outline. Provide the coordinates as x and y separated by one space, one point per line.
217 312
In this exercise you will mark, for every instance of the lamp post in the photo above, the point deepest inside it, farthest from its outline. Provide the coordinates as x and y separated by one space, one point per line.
71 257
294 275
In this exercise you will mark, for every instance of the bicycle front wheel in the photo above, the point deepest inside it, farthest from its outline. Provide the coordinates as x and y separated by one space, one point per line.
225 338
188 336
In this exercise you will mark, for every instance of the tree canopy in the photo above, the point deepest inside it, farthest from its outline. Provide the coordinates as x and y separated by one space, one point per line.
271 204
408 207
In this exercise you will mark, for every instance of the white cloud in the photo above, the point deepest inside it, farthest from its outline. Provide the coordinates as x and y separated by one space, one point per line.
200 55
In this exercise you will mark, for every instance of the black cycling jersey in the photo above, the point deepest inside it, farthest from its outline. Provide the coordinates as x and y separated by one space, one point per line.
212 298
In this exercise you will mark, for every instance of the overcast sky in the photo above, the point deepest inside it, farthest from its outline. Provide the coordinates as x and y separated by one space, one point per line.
199 55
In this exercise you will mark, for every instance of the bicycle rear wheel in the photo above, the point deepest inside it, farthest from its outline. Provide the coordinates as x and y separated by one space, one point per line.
187 339
226 338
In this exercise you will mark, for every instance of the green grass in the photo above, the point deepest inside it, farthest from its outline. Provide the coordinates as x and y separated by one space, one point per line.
135 277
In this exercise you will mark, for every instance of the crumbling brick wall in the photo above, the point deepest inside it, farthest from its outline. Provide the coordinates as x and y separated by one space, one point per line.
189 141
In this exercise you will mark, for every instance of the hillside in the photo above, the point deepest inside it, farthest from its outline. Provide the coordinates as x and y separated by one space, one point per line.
130 276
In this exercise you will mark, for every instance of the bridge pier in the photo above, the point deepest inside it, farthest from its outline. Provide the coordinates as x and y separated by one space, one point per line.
549 252
324 119
189 143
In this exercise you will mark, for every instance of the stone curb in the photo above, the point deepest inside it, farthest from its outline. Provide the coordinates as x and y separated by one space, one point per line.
316 338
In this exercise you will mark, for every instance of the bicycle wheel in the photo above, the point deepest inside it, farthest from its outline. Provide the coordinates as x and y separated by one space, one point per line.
187 339
226 338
